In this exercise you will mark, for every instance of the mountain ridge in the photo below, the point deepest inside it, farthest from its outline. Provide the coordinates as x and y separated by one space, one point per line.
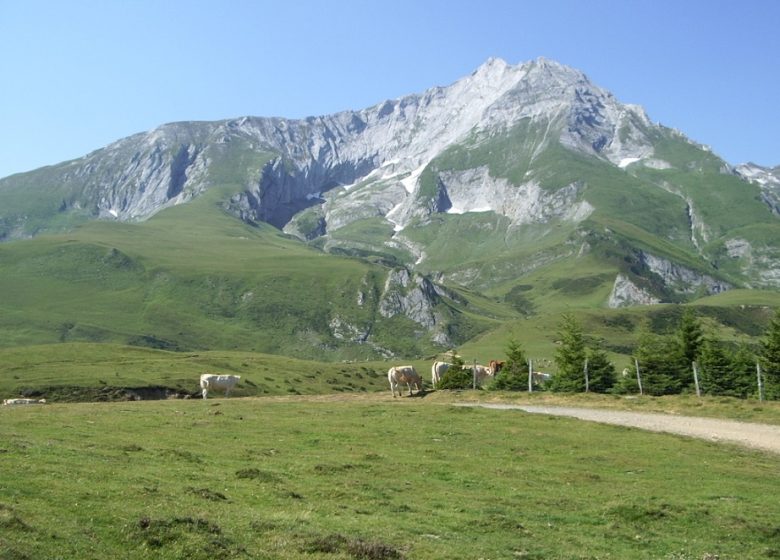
530 153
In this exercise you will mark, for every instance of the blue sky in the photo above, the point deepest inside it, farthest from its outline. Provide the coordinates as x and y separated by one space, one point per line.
76 75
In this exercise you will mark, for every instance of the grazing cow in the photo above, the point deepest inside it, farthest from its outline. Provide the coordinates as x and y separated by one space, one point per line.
480 372
215 382
404 374
496 365
23 401
540 378
437 371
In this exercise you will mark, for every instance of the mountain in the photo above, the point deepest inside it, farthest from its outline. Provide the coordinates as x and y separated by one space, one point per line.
524 184
768 179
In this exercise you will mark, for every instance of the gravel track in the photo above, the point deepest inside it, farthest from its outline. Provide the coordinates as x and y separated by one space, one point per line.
765 437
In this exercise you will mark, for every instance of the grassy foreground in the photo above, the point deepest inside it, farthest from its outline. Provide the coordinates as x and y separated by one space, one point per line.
367 477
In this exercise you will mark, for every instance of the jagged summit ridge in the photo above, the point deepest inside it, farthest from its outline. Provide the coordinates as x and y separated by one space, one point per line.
370 161
526 154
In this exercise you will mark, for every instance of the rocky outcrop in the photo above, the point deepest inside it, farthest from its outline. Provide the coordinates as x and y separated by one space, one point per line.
474 190
760 264
680 279
626 294
416 297
767 179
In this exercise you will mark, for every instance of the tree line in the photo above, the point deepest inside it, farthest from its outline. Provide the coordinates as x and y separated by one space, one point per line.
682 361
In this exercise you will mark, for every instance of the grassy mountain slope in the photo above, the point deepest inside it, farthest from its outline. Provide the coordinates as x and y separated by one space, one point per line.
194 277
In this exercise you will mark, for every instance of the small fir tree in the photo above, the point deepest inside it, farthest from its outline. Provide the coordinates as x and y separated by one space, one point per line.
770 358
601 372
514 375
743 364
570 357
456 377
715 366
691 336
661 364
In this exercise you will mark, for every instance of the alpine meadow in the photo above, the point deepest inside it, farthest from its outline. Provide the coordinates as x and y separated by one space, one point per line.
520 216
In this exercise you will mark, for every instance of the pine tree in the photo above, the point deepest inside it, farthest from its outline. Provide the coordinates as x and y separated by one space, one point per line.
743 364
691 340
601 372
456 377
661 364
715 364
570 357
691 335
514 375
770 358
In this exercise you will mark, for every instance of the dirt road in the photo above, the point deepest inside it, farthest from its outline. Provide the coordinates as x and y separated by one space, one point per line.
758 436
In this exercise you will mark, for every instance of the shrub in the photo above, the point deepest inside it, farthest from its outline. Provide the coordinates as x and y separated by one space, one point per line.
456 378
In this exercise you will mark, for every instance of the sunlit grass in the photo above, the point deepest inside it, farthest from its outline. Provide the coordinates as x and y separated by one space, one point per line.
410 478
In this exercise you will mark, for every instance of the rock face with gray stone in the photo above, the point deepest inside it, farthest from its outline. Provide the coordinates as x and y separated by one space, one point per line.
487 143
384 147
626 294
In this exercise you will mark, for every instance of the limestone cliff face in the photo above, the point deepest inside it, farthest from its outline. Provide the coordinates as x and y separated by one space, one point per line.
626 294
768 179
383 148
399 164
683 280
415 297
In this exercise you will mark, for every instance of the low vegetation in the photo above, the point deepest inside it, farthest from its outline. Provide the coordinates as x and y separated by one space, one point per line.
369 478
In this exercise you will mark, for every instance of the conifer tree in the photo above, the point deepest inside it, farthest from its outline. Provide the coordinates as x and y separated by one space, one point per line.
715 365
514 375
601 372
570 357
743 364
661 364
770 358
691 338
456 377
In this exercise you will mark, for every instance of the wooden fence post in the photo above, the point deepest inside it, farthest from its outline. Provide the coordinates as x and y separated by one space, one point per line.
760 381
638 377
696 378
474 375
530 375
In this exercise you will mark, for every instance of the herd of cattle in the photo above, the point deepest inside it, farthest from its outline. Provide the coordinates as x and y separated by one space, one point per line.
396 376
407 374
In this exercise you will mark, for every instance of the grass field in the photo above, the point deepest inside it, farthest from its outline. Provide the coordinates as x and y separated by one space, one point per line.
90 371
368 477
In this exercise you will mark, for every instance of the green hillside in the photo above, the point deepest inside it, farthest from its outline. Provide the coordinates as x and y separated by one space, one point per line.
194 277
608 210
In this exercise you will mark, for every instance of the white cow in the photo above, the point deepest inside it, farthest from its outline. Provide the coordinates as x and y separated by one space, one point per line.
437 371
480 372
23 401
541 378
404 374
214 382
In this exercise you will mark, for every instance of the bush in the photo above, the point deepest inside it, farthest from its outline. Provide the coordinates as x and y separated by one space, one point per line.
456 378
